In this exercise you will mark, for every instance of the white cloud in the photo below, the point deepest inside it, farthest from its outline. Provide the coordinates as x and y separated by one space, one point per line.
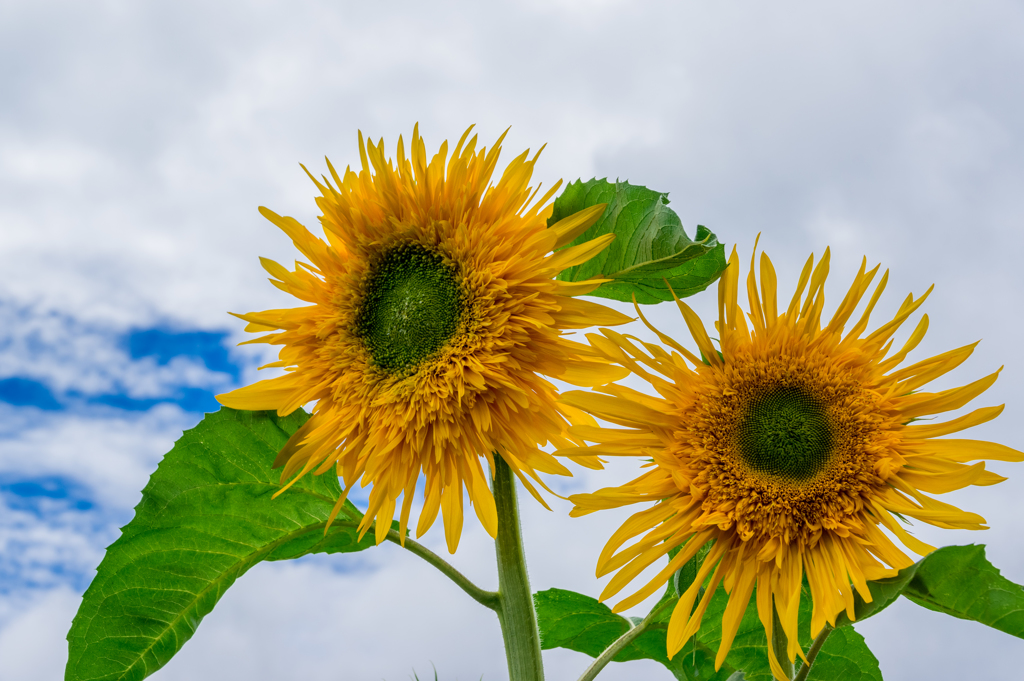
32 645
50 546
111 453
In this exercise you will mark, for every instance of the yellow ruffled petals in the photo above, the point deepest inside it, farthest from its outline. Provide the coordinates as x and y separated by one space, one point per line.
486 389
691 424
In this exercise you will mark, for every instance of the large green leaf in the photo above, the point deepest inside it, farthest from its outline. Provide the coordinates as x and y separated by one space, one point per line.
749 650
883 593
956 580
959 581
845 656
581 623
650 244
206 517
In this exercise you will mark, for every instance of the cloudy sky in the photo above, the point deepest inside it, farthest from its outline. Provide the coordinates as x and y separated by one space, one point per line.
137 140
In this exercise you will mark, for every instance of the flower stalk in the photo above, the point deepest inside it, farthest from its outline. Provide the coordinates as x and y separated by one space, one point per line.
515 600
621 642
812 653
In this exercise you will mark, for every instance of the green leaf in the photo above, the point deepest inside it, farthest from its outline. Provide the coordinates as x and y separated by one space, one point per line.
749 650
580 623
206 517
845 656
959 581
883 593
570 620
650 244
956 580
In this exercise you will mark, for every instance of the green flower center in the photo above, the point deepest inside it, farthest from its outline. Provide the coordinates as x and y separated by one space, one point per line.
411 309
785 433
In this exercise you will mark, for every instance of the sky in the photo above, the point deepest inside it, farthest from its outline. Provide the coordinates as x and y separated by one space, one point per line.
138 139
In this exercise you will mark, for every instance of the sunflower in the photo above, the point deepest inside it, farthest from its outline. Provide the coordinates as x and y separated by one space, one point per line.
432 312
790 449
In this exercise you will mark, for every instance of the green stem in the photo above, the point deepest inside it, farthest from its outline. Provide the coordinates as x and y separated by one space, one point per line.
515 600
621 642
780 643
812 653
488 599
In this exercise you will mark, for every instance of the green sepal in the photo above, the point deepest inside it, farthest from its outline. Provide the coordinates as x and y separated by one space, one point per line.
650 246
206 517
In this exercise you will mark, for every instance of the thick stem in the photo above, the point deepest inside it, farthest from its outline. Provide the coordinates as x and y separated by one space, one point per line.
812 652
515 600
780 643
621 642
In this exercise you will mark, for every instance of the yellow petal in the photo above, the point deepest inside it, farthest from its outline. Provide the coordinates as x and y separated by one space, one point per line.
575 255
576 313
263 395
617 410
589 374
976 417
571 227
947 400
451 513
969 450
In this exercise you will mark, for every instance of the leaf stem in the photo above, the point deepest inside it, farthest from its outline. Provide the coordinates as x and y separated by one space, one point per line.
812 652
515 605
488 599
621 642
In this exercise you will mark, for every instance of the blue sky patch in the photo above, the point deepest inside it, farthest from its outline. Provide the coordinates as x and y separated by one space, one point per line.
189 399
44 494
164 345
131 371
25 392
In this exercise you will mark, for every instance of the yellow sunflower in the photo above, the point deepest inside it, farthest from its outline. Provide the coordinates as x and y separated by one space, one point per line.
791 449
432 310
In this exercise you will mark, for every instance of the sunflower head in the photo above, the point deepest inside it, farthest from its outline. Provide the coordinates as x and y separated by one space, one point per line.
431 316
791 449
